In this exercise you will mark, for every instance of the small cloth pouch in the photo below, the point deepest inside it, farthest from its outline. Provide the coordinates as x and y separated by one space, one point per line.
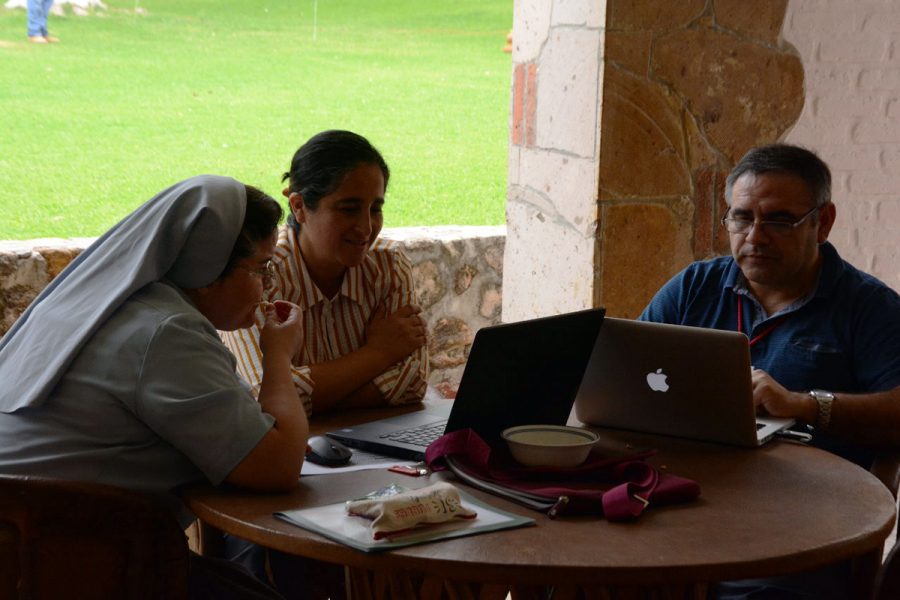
404 511
619 488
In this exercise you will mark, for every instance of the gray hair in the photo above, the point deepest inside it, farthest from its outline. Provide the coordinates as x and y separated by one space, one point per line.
785 158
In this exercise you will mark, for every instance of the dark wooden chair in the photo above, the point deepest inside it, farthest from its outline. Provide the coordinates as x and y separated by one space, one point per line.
887 582
74 540
887 469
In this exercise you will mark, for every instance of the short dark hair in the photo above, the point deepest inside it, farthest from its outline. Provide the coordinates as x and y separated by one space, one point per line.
320 165
260 219
785 158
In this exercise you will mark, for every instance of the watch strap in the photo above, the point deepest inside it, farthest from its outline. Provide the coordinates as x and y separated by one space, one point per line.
824 401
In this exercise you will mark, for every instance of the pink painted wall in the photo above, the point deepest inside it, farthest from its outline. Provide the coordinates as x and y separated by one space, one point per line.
851 117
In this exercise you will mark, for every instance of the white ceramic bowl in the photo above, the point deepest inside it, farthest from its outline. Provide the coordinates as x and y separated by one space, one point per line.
549 445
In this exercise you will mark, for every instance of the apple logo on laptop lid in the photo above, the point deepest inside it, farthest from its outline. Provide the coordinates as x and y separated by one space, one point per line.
657 381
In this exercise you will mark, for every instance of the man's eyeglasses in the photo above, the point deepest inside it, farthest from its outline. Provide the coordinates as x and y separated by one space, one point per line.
776 227
267 271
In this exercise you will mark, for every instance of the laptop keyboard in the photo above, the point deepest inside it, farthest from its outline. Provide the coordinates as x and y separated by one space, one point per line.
421 435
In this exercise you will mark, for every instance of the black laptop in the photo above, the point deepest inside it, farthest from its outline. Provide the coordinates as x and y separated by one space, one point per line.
516 374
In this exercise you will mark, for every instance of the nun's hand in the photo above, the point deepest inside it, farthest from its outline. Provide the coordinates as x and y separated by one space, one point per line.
282 331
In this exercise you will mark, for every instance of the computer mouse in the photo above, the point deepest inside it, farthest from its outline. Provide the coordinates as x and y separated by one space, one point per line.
325 451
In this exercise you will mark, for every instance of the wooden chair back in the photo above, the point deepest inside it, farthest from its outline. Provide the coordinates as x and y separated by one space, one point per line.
887 583
75 540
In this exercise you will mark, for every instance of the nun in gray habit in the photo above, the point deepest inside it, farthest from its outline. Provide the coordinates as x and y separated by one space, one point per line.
115 373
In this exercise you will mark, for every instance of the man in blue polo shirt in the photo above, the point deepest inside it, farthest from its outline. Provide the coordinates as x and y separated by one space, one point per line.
824 336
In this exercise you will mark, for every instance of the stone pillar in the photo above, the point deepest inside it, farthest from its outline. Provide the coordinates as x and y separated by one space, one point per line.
552 211
626 116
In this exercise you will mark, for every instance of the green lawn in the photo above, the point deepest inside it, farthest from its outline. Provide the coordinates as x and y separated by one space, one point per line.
129 103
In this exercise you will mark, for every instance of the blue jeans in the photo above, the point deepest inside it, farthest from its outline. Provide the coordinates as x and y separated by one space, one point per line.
292 576
37 17
219 579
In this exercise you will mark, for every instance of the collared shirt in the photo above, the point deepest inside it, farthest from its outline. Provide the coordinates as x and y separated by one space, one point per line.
757 313
335 327
845 337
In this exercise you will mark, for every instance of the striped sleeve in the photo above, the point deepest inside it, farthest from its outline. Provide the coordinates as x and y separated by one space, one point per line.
406 381
244 344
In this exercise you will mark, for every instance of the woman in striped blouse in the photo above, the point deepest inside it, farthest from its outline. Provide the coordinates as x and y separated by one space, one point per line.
364 341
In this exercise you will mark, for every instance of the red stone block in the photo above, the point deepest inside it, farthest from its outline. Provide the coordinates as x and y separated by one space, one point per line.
518 125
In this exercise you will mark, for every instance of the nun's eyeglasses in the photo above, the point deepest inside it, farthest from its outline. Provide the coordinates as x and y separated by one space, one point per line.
266 272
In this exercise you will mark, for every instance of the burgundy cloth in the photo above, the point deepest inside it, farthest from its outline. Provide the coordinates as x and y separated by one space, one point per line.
619 487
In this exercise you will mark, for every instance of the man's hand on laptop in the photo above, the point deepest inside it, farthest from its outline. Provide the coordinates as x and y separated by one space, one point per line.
775 400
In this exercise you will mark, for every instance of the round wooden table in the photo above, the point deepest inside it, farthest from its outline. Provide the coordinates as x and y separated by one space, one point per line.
775 510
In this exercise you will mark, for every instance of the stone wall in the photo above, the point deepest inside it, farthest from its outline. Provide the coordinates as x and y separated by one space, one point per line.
26 267
851 118
689 87
459 279
458 273
625 118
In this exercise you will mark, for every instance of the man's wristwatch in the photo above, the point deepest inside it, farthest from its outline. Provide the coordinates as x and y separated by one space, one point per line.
824 400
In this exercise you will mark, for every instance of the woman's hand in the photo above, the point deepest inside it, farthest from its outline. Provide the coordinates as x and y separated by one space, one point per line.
397 335
282 331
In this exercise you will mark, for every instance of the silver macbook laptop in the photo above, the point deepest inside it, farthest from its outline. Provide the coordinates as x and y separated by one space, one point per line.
516 374
689 382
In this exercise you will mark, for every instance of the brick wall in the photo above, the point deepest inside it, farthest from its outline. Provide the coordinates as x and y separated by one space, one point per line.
851 117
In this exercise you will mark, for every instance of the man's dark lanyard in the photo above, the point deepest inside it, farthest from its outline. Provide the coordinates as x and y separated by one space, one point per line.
740 322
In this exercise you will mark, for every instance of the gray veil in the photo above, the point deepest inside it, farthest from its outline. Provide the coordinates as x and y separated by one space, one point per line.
185 234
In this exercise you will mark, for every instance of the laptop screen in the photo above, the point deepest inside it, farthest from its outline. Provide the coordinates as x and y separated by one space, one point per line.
524 373
519 373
